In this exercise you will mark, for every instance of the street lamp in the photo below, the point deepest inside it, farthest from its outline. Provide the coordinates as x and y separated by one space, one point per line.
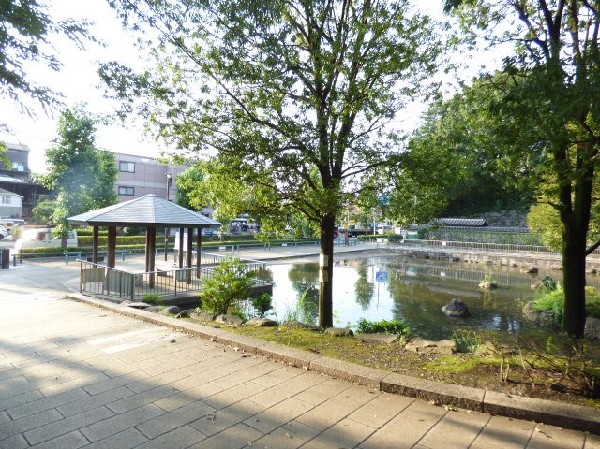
169 183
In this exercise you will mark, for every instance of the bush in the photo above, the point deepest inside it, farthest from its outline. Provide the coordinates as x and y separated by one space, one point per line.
154 299
554 300
262 304
396 327
229 284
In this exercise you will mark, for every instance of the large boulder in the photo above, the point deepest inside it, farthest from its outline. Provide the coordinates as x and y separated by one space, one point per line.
261 322
422 346
339 331
592 328
229 320
456 309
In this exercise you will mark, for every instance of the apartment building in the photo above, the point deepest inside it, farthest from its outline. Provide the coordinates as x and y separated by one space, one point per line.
16 181
140 175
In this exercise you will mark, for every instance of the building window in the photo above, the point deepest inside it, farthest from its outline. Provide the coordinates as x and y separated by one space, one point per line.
5 199
126 191
127 166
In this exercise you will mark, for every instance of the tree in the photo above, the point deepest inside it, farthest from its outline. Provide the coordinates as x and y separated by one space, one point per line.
81 176
549 114
25 30
457 142
297 97
186 182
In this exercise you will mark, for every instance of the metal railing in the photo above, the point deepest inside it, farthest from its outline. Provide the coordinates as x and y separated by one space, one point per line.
475 246
100 280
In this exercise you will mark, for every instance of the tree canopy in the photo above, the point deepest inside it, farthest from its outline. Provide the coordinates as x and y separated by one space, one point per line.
547 114
81 176
26 33
296 98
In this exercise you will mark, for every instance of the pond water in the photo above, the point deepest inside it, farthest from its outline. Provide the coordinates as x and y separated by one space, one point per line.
390 287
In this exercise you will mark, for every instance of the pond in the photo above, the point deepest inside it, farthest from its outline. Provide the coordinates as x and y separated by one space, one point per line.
414 291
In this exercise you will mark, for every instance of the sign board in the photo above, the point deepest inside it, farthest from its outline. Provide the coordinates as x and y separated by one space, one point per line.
381 276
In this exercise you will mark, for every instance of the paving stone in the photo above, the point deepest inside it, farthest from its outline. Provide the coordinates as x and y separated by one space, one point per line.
236 437
284 411
71 440
344 434
133 401
126 439
29 422
505 433
213 423
380 410
180 437
180 417
444 433
120 422
72 423
47 403
288 436
93 402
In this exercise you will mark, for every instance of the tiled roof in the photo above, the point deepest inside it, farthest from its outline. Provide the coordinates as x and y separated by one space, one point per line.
148 210
460 221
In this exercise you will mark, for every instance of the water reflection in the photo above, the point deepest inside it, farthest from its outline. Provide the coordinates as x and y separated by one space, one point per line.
363 288
379 288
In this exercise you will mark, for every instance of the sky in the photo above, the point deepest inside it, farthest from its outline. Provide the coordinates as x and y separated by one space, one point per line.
79 83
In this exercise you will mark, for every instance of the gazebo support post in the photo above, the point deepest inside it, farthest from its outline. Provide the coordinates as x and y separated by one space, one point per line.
181 234
166 243
95 241
151 255
199 253
112 246
188 255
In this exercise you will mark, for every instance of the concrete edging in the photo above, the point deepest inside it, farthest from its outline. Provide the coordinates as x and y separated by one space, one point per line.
476 399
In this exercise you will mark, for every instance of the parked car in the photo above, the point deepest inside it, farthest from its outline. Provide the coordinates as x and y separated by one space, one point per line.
3 232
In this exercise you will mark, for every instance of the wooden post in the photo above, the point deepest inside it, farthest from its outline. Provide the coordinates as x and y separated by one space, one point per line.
112 246
95 241
181 234
199 253
152 255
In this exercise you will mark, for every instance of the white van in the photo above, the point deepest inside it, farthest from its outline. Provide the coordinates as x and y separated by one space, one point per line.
43 237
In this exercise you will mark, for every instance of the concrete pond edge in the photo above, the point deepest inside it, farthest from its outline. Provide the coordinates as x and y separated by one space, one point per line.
544 411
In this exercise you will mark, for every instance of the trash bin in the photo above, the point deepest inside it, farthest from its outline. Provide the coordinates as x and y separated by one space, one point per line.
4 258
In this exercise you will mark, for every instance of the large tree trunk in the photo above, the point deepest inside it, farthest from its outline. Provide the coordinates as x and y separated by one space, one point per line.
573 264
326 271
575 218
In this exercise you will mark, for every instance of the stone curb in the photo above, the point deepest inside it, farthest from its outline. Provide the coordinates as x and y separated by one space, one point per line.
476 399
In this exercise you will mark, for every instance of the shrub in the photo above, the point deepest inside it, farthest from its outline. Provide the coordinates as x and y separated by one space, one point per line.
382 327
229 284
262 304
468 341
154 299
554 300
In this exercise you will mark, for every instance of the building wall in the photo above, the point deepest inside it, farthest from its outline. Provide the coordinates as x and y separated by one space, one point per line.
139 176
11 205
19 156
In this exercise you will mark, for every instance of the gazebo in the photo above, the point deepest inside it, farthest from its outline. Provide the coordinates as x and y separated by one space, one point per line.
150 212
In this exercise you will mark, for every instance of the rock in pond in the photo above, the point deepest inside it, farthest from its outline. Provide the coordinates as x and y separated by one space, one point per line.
457 309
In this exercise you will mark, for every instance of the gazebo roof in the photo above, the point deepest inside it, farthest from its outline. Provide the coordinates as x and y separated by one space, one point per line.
148 211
